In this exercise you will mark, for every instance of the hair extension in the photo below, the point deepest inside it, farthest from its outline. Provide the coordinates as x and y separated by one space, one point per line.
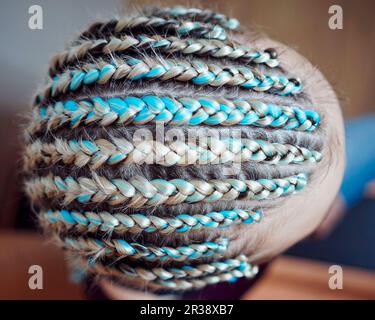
91 222
170 111
85 49
196 72
177 279
163 214
120 248
155 25
111 152
196 14
139 191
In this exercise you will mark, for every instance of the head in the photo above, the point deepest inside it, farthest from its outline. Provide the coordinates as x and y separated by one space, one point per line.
172 149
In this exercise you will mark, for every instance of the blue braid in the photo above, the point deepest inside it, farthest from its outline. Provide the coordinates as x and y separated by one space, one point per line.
122 248
205 15
179 111
138 222
196 72
159 191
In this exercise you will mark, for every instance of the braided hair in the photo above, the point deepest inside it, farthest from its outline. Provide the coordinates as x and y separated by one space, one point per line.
164 213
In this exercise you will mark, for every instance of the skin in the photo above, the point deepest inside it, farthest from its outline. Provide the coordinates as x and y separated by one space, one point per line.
300 215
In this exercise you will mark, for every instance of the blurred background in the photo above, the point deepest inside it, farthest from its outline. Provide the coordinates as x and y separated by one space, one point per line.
346 58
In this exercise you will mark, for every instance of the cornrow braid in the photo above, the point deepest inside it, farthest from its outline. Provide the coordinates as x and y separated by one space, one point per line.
196 14
197 283
154 211
138 191
91 222
173 111
112 152
121 248
195 72
170 45
155 24
180 278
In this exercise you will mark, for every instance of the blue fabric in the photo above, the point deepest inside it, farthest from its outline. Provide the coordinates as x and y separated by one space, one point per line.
360 157
351 242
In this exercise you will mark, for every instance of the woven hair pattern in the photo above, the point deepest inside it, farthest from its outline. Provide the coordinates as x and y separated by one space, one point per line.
162 214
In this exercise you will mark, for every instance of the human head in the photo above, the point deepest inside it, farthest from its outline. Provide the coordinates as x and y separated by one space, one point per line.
249 161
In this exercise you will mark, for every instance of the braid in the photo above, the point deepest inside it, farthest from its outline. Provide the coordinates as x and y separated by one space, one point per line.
154 211
172 111
139 192
91 222
120 248
184 278
155 24
169 45
121 151
196 14
195 72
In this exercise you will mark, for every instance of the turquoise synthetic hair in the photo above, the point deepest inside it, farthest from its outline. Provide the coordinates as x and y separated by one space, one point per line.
164 214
